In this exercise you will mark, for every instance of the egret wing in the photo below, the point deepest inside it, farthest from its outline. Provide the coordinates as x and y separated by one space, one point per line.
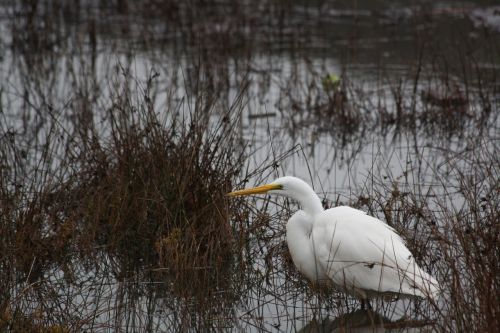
364 256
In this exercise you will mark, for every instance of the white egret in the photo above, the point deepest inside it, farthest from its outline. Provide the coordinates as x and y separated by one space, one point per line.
358 253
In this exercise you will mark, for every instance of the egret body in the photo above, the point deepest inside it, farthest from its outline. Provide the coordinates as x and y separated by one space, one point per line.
358 253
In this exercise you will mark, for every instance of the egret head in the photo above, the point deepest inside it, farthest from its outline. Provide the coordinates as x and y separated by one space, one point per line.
287 186
292 187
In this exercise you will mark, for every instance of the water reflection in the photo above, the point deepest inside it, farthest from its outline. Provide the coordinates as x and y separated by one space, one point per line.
360 321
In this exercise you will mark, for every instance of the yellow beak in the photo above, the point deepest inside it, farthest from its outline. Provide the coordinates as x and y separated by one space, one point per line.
255 190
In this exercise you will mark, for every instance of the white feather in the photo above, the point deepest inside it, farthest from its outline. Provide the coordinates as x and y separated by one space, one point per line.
358 253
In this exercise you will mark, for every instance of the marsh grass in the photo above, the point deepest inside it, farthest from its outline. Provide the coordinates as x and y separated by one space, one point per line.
149 196
112 207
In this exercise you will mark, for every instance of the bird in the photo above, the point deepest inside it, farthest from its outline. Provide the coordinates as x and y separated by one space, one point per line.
358 254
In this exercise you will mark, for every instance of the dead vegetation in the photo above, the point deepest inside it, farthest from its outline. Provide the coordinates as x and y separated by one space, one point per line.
150 196
113 213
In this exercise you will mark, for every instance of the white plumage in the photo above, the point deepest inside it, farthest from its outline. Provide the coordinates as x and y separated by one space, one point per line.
358 253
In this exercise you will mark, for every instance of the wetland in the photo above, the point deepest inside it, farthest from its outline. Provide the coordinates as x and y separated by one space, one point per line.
123 125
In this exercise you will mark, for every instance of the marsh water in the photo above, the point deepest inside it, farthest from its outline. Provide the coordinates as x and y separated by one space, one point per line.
365 100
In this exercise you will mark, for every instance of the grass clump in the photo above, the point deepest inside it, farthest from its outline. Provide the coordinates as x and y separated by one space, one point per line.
153 193
144 200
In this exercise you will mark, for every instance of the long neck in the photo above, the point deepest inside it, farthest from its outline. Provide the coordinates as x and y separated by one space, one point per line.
309 200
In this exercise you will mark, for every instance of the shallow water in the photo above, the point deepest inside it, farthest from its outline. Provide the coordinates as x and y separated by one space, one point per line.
391 60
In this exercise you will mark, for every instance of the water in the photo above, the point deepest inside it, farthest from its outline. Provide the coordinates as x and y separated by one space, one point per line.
398 64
